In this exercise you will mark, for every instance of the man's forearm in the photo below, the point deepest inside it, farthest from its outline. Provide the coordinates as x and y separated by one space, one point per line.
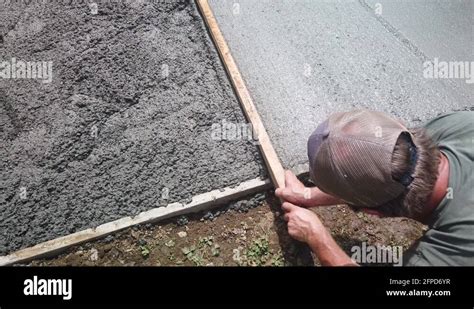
319 198
328 251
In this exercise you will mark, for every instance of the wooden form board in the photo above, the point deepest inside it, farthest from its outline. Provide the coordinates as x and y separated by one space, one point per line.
275 169
199 203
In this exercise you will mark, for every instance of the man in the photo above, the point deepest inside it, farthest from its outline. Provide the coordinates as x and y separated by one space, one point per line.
367 159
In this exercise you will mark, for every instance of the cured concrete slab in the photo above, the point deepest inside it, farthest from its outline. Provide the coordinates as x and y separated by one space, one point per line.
125 124
304 59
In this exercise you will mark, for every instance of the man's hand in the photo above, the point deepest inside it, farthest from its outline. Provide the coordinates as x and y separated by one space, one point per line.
303 224
294 191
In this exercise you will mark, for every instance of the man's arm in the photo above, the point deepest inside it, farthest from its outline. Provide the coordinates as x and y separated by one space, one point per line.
295 192
304 225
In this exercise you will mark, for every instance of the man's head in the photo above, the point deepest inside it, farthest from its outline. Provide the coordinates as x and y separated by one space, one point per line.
372 160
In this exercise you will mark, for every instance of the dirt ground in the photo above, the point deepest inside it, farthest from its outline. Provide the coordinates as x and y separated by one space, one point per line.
244 233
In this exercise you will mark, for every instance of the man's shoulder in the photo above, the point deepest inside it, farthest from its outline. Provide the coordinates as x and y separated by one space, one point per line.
454 132
453 125
441 248
460 116
450 240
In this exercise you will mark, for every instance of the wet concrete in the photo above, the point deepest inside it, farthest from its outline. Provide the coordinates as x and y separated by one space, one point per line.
125 124
305 59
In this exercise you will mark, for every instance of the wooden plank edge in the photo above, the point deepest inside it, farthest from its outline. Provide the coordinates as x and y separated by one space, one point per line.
274 166
199 202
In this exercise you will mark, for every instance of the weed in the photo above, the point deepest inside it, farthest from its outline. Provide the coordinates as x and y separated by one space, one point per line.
145 251
192 255
209 242
258 252
203 241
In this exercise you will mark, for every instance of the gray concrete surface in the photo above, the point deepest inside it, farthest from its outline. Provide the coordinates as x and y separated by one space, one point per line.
439 28
125 124
304 59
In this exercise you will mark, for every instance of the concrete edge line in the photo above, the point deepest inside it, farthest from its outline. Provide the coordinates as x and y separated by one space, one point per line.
199 202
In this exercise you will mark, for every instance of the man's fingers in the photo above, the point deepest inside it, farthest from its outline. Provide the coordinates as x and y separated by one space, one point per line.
287 207
283 193
286 217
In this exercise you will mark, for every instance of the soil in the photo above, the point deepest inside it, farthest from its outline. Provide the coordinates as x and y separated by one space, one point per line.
245 233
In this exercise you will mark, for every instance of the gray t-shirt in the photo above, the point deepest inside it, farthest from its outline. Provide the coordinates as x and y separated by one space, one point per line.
450 238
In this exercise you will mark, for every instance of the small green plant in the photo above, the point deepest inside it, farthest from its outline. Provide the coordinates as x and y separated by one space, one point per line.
258 252
145 251
192 255
206 241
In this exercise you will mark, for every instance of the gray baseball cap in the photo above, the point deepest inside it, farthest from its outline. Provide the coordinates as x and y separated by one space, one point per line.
350 157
